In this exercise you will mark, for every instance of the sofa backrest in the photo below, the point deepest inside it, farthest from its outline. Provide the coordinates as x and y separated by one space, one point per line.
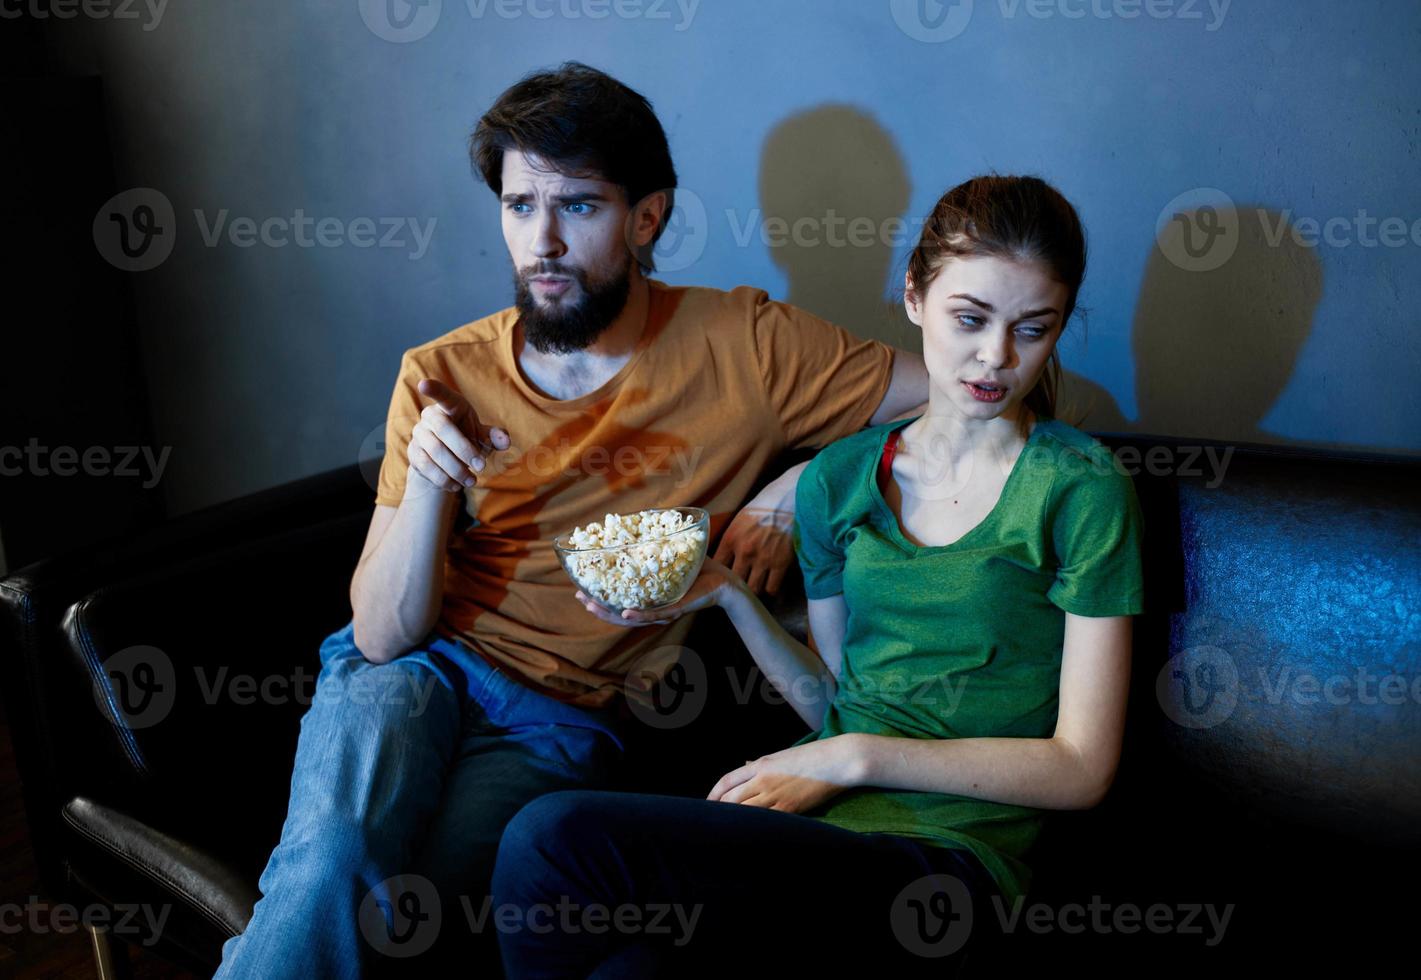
1273 575
1279 660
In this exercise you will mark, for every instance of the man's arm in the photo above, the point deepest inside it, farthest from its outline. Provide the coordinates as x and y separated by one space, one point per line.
757 544
397 591
907 392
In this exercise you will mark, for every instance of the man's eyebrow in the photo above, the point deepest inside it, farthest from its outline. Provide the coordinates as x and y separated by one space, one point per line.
992 309
579 197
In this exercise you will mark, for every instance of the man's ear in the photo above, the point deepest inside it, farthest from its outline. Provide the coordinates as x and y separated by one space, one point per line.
644 218
912 302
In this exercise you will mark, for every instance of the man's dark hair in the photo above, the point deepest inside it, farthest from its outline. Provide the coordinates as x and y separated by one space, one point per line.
584 123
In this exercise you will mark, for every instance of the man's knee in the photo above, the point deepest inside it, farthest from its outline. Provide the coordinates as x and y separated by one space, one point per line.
408 691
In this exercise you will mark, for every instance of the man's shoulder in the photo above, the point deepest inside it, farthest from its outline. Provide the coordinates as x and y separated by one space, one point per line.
743 318
482 332
737 303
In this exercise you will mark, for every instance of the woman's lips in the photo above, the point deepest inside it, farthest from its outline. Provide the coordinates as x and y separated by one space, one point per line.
983 394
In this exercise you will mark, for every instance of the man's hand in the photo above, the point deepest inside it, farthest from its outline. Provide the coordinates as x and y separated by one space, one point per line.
449 444
758 544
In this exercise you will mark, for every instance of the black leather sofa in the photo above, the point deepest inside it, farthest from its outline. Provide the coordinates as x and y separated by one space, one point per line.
1298 803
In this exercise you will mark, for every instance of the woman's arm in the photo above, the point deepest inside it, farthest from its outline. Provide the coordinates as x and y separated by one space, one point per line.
1071 770
805 680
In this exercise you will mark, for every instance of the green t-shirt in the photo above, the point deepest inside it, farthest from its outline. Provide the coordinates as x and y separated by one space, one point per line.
964 640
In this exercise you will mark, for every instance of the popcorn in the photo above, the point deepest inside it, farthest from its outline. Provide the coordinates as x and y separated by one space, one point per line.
660 551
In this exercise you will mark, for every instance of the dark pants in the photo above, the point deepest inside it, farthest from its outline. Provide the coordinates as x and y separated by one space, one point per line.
594 883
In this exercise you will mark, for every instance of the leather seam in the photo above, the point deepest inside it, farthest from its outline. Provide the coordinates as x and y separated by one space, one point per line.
152 871
96 676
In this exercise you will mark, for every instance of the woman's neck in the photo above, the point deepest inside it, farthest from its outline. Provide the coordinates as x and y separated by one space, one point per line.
943 437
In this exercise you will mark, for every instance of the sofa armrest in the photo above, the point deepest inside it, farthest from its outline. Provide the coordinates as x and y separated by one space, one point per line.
201 670
63 741
163 889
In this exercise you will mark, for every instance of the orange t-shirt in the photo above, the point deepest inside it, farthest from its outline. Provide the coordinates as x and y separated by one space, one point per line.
720 383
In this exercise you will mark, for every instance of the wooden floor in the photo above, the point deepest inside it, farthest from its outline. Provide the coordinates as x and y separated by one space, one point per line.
48 955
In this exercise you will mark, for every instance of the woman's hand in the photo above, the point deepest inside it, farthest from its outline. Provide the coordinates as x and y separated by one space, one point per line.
712 585
796 779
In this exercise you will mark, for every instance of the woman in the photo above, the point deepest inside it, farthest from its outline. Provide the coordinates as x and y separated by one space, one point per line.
971 575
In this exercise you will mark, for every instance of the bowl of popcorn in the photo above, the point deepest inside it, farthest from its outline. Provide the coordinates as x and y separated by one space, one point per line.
637 561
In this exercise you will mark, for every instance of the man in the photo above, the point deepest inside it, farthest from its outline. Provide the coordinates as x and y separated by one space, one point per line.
470 681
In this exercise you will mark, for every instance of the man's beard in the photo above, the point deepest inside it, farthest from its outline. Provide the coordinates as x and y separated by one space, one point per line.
562 328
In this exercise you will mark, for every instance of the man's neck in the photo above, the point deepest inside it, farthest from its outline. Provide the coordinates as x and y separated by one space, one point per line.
565 376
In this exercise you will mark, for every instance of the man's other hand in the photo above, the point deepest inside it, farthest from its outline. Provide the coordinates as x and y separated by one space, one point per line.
758 544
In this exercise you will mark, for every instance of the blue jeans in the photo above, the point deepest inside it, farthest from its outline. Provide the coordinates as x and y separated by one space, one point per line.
598 884
406 774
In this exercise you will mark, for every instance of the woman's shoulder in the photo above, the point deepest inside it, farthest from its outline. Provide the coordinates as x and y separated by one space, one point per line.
846 458
1086 476
841 472
1075 451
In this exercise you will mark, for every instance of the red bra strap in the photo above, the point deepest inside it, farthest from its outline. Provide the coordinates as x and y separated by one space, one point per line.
885 465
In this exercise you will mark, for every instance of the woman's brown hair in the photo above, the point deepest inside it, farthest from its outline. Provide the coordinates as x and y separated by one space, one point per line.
1019 218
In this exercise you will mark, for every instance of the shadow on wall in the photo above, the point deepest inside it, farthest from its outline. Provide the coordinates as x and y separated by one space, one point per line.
833 188
1213 347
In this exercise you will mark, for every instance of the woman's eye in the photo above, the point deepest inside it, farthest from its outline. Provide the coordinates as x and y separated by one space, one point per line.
1034 331
968 320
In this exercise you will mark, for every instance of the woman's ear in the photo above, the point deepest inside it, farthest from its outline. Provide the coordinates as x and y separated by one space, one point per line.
912 302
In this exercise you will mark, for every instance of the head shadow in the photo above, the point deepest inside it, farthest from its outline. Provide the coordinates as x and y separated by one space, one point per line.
1214 343
833 189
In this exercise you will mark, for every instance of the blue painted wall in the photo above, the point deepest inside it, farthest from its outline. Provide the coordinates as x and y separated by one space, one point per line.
1255 118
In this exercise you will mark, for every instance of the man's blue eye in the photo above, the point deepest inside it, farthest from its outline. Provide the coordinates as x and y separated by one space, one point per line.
515 208
587 208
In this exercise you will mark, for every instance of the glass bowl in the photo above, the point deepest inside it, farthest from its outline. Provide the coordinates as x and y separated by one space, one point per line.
644 575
